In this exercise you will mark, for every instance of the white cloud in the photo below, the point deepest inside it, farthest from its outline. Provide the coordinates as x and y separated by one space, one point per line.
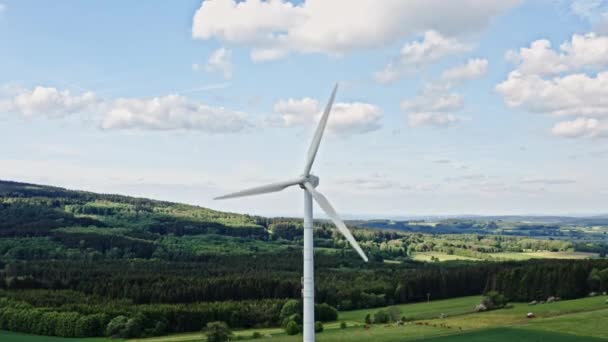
391 73
296 112
473 69
373 183
433 102
433 47
172 112
581 52
585 8
429 50
563 84
269 54
345 118
571 95
548 181
56 149
219 61
47 101
466 178
437 103
581 127
539 58
433 108
276 28
437 119
589 9
208 87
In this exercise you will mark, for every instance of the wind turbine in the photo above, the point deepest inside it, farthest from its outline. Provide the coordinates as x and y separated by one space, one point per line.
308 182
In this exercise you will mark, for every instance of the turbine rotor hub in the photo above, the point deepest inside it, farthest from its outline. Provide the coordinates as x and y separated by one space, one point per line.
312 179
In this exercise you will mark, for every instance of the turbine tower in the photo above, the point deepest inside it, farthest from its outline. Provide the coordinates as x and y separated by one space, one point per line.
308 182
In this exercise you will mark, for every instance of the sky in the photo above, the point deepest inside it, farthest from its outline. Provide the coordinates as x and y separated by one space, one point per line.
443 108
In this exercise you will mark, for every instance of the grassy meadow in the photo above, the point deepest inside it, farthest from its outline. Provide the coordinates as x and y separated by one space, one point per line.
512 334
568 320
9 336
571 320
418 311
504 256
430 256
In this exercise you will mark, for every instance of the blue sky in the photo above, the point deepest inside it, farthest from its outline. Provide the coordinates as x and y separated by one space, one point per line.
461 107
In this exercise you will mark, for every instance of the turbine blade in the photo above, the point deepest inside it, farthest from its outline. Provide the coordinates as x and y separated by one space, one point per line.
316 140
333 215
264 189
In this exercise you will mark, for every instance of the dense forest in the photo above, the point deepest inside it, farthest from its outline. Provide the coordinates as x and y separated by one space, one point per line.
77 264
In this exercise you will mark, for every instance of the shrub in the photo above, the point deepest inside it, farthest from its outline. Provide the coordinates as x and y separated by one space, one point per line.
368 319
256 334
290 307
342 325
318 326
134 327
381 317
292 328
295 318
116 326
218 332
395 313
160 328
325 312
494 300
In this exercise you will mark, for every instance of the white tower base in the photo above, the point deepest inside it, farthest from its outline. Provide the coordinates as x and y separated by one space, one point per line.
308 282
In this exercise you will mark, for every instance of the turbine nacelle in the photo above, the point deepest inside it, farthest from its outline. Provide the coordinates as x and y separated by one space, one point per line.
310 179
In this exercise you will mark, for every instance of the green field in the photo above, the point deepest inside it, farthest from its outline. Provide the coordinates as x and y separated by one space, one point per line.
426 256
7 336
572 320
543 255
418 311
511 335
588 323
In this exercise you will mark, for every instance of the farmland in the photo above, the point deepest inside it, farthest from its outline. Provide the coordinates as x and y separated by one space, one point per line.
571 320
438 256
7 336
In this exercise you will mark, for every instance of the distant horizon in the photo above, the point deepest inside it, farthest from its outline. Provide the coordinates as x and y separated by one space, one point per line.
346 216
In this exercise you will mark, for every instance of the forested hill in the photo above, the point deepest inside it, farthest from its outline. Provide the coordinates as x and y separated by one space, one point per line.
35 210
53 222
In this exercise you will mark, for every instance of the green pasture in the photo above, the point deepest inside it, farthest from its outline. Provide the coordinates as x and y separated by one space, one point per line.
568 320
427 256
